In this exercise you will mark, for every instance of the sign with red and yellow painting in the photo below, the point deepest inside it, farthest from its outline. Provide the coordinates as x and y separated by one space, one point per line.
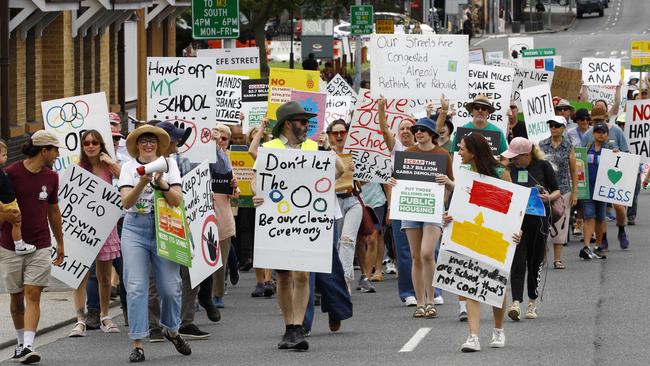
282 81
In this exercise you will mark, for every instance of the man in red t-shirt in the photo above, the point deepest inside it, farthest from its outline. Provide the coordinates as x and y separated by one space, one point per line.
25 276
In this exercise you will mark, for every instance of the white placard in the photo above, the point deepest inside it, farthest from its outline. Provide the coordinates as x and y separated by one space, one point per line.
419 66
476 56
526 78
69 117
229 102
338 86
616 177
604 92
294 226
90 209
538 108
337 107
637 127
491 56
601 71
417 201
182 90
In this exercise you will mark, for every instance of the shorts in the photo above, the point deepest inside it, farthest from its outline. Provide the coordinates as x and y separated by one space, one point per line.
19 270
406 224
380 211
594 210
13 205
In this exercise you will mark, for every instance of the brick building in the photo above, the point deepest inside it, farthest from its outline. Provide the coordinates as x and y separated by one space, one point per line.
62 48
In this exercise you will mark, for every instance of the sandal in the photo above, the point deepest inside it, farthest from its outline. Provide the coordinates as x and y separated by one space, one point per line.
419 312
79 330
111 328
558 265
179 343
430 311
137 355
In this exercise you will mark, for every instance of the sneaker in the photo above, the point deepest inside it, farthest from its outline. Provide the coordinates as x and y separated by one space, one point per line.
631 220
269 289
513 311
498 338
438 300
531 311
471 344
390 267
179 343
191 331
18 352
211 310
156 335
410 301
25 249
28 356
598 253
92 319
586 254
136 355
218 302
462 316
286 338
259 290
611 218
297 340
366 286
623 241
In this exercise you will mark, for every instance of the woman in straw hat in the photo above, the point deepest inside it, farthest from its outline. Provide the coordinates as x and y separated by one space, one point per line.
146 144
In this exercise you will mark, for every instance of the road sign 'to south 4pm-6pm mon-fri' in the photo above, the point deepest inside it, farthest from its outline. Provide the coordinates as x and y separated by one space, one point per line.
215 19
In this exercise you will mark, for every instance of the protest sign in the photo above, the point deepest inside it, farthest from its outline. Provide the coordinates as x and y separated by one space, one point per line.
69 118
338 86
294 225
535 205
540 59
419 66
491 56
90 208
503 62
182 90
172 233
229 102
637 127
601 71
365 141
337 107
477 56
416 196
242 168
566 83
418 107
312 102
538 108
517 44
640 56
525 78
602 92
493 138
202 224
582 170
254 97
495 83
235 61
281 81
616 177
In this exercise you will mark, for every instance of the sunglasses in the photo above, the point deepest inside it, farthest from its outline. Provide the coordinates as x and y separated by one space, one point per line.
513 107
338 133
223 138
555 125
150 141
93 143
420 129
481 108
563 109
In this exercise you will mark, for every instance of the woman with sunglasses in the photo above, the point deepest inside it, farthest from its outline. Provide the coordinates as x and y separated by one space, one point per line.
476 152
95 159
146 144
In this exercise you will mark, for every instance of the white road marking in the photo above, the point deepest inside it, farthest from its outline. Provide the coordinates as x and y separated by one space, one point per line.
481 41
613 53
415 340
623 53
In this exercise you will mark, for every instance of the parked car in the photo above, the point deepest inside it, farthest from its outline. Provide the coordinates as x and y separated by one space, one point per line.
590 6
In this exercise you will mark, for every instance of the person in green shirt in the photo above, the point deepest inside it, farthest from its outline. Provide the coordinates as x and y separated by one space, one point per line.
480 109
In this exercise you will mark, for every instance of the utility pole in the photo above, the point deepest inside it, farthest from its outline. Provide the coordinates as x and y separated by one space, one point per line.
4 68
357 59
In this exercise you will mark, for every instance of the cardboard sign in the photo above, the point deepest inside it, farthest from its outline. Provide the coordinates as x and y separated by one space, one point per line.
526 78
366 143
384 26
254 97
419 66
172 232
582 170
495 83
229 103
518 44
68 118
601 71
242 168
312 102
294 225
566 83
538 108
235 61
338 107
416 196
616 177
90 208
281 81
637 127
477 56
202 223
493 138
182 90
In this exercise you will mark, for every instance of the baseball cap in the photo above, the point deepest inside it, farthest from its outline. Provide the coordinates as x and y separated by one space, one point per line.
601 127
557 119
114 118
45 138
175 134
518 146
115 130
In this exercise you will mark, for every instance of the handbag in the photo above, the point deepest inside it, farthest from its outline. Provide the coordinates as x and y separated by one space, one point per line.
368 218
558 208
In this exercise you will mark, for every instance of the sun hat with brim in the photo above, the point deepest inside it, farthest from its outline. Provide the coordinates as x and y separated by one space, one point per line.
601 127
621 118
175 134
582 113
480 100
132 139
45 138
564 104
518 146
557 119
427 123
287 111
599 113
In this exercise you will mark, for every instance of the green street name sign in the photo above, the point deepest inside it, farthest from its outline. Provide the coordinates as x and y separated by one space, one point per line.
361 17
538 52
215 19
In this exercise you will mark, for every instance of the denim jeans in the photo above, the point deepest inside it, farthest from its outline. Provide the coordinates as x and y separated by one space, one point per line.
347 229
404 262
139 250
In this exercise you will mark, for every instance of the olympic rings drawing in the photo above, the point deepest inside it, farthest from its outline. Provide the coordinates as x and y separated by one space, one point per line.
72 114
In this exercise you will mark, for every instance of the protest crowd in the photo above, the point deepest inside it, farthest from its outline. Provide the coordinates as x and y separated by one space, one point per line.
467 184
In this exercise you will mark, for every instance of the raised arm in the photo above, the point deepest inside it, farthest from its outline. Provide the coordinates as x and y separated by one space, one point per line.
383 126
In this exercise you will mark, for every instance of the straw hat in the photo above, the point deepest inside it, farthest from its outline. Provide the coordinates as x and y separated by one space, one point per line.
480 100
132 139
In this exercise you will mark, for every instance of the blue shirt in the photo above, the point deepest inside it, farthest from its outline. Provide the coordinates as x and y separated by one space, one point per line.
616 138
